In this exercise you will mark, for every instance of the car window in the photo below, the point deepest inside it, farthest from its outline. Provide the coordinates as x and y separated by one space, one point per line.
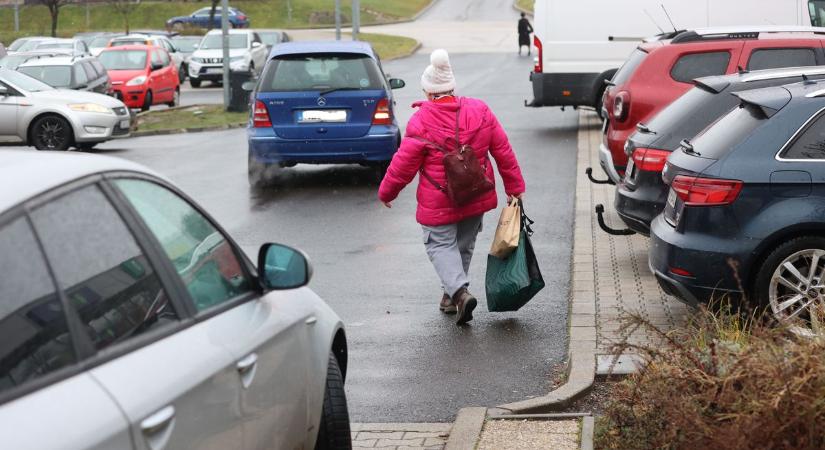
34 336
156 59
772 58
321 71
91 73
816 9
202 256
719 138
697 65
101 71
629 67
80 77
55 76
164 57
107 279
810 144
101 41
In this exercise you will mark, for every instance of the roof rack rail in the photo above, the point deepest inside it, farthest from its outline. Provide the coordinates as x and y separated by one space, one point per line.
716 34
785 72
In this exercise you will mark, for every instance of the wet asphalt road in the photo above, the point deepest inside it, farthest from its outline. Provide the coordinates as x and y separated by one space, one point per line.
408 362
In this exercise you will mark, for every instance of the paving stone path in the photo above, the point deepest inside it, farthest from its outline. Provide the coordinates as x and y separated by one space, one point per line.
400 436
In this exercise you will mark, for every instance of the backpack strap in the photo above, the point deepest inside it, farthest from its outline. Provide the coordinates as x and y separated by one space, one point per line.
425 174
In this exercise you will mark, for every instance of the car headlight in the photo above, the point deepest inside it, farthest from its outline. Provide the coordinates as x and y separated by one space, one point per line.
136 81
196 59
90 107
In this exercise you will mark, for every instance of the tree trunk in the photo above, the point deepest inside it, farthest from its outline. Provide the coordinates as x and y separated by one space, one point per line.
54 11
212 14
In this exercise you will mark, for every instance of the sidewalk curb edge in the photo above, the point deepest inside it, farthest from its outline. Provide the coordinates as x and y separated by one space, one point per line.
186 130
588 426
466 430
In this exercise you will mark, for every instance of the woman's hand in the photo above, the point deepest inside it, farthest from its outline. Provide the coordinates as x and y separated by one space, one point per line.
518 196
387 204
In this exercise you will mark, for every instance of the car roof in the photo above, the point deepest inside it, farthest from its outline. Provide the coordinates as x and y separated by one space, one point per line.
294 48
25 174
129 47
774 99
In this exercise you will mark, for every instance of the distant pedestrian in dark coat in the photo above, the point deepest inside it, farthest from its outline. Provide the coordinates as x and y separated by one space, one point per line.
524 30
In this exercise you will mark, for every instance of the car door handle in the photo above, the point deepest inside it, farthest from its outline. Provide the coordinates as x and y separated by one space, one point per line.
158 420
246 368
311 321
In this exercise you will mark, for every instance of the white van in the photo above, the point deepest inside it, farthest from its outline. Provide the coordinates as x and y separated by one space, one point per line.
582 43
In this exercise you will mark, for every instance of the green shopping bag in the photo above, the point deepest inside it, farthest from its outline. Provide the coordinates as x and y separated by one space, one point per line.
511 282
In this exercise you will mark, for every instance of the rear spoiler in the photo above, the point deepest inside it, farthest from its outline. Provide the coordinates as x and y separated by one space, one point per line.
769 100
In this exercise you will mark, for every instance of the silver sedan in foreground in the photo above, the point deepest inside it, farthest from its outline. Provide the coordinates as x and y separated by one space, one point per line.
129 319
36 114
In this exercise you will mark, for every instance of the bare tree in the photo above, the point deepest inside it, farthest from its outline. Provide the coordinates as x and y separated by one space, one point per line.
212 14
124 8
54 10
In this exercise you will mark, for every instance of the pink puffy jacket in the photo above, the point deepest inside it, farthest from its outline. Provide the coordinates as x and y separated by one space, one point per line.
435 121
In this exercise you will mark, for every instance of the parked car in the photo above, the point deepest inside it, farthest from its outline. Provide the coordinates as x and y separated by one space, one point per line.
56 119
246 53
321 103
76 46
744 213
13 60
165 33
88 36
131 319
98 43
142 76
68 72
186 45
156 41
271 38
25 44
659 72
641 195
200 19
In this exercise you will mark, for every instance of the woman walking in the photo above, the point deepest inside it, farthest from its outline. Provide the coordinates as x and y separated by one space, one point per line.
450 230
524 30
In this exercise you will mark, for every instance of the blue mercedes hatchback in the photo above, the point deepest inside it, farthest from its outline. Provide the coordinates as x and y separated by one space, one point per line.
321 103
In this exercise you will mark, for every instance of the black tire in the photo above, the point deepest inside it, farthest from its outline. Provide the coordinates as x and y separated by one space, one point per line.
182 73
334 430
194 82
599 103
761 285
175 100
147 101
87 146
51 133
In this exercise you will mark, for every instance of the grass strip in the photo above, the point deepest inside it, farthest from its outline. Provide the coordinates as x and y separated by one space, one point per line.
197 116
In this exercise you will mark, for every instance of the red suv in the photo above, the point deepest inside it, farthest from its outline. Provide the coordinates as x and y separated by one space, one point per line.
657 73
142 76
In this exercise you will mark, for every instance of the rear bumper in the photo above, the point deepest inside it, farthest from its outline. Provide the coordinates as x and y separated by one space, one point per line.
606 161
563 89
638 207
614 141
379 145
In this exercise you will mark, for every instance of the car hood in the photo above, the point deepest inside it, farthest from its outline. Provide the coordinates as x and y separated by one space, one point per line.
69 96
218 53
124 75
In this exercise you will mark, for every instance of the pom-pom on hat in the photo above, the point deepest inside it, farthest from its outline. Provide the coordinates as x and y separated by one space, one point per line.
438 76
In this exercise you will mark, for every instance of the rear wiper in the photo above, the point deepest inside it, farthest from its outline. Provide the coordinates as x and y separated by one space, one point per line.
327 91
688 147
644 129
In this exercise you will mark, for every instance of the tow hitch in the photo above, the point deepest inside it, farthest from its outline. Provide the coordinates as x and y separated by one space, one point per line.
589 172
607 229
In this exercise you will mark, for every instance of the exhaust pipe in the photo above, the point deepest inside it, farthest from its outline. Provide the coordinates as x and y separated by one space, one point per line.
589 172
607 229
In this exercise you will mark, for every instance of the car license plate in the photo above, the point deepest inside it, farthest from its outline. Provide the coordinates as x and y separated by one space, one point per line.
322 116
214 70
628 174
124 124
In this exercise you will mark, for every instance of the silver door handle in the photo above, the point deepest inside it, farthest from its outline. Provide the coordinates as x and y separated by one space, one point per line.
158 420
246 364
311 320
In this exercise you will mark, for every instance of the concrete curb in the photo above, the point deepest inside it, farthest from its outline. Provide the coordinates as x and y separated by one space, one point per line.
467 428
186 130
581 369
588 425
520 9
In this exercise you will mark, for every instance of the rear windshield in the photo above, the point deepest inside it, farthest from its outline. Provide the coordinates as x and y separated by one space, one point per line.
55 76
136 41
689 115
123 59
12 61
308 72
629 66
731 129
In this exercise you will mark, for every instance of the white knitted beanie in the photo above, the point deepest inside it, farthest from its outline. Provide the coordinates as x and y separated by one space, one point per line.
438 76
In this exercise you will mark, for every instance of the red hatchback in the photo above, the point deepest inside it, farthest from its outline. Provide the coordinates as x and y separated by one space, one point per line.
142 76
659 72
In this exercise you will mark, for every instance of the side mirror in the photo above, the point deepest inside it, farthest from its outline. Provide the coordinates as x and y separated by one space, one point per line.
256 44
397 83
248 86
281 267
4 91
156 66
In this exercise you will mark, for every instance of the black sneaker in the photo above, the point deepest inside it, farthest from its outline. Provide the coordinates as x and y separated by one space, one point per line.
465 304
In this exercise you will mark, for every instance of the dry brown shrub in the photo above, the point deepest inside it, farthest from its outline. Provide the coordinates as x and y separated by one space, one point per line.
722 382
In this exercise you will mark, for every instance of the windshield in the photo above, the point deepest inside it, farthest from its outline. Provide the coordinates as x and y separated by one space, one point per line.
627 69
12 61
271 38
100 42
718 139
213 41
133 41
47 45
23 81
26 46
55 76
186 45
123 59
319 71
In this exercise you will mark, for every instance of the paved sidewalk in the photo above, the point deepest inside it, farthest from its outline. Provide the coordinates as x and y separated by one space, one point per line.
612 271
400 436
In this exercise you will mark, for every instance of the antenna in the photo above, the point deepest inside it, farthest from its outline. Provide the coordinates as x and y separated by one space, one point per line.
654 21
668 17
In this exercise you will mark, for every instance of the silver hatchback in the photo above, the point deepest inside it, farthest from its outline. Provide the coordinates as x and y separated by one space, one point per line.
130 320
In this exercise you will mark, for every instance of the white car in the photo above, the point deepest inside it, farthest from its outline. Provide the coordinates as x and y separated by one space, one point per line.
46 118
75 46
246 53
132 321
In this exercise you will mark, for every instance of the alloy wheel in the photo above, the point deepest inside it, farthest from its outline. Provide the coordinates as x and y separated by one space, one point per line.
797 291
52 134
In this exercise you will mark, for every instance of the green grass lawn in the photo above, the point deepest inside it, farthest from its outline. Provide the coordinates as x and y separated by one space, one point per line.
525 4
35 20
191 117
388 46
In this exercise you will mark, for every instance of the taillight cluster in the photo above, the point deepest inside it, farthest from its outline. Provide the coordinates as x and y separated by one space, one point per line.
649 159
539 66
260 116
696 191
383 114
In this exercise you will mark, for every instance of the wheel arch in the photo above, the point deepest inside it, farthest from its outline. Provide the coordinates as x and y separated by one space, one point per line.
40 115
599 84
339 350
769 244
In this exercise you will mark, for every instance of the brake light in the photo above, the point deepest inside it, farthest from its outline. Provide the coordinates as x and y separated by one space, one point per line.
680 272
695 191
539 66
260 116
241 17
621 106
649 159
383 115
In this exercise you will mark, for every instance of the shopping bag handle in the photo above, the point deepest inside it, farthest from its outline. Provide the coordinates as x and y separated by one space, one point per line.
525 221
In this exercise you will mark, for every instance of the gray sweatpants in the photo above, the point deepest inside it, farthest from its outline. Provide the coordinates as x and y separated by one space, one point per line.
450 248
